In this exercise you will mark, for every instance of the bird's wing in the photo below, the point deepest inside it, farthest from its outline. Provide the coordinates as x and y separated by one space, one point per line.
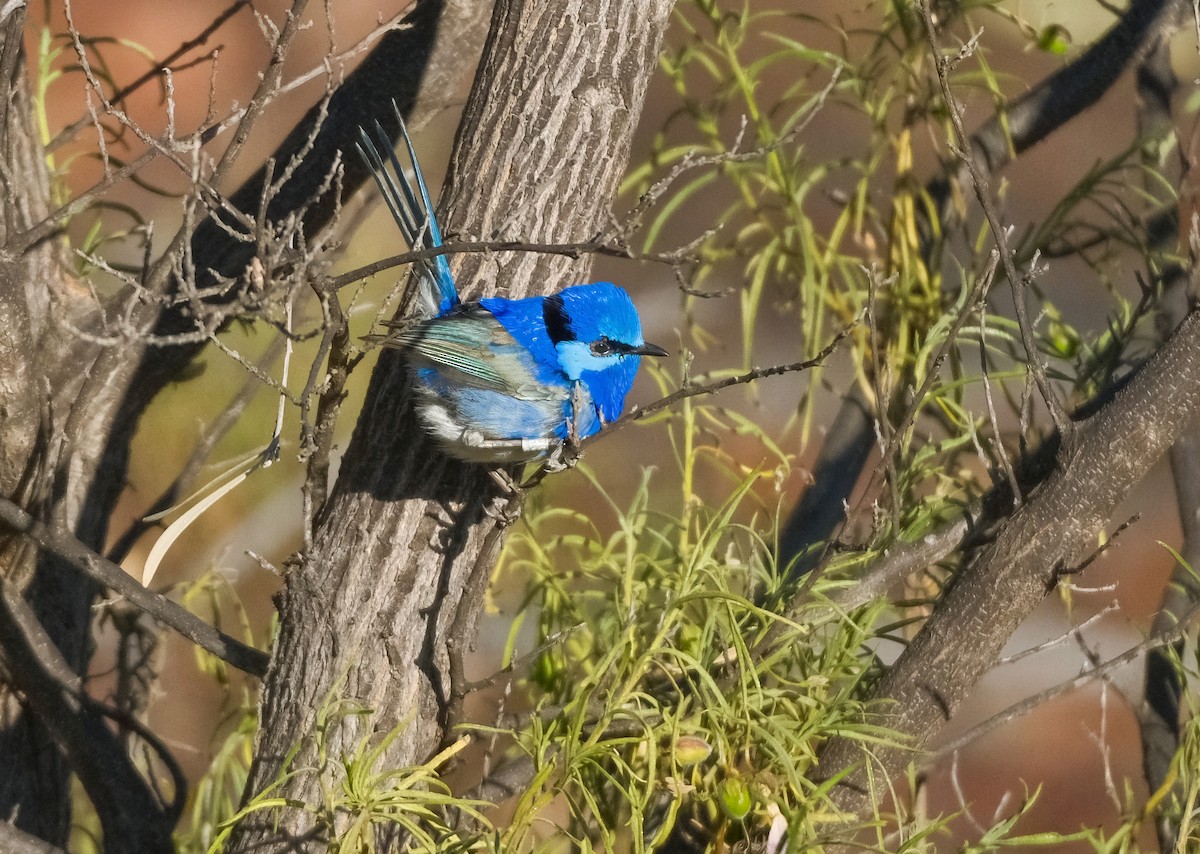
473 346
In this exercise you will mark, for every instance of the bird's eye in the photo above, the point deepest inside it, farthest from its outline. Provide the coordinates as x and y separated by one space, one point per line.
603 347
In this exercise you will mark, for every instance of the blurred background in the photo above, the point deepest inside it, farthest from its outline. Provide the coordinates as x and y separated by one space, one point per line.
1082 750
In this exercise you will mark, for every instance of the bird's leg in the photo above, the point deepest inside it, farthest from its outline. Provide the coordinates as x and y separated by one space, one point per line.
559 460
565 454
505 507
569 451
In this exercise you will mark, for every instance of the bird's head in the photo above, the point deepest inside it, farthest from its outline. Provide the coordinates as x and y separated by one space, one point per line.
597 336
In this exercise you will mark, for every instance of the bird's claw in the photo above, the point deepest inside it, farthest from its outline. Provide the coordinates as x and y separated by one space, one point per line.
505 481
563 457
505 507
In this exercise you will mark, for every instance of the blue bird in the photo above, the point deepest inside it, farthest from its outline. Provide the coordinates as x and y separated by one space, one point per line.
505 380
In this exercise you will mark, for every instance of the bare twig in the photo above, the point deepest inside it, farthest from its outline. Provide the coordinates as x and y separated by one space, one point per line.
638 413
161 66
263 95
577 249
65 546
1157 640
1016 281
713 387
1073 633
1000 452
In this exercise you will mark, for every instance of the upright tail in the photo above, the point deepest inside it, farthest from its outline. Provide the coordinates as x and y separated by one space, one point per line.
413 212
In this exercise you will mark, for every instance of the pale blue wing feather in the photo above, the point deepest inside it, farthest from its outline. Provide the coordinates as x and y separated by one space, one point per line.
480 351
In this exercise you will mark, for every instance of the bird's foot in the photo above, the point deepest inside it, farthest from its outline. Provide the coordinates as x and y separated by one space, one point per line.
505 507
563 457
505 481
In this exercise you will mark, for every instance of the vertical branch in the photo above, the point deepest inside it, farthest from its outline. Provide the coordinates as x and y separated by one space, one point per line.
1158 714
30 789
389 594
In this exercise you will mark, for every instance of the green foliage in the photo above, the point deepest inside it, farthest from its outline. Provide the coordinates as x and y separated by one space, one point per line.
672 692
214 799
824 238
1186 782
679 687
665 689
359 796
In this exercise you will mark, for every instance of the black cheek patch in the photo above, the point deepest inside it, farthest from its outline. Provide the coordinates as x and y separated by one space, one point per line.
554 315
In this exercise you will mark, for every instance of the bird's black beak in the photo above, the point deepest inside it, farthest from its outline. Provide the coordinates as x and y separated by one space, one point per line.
649 350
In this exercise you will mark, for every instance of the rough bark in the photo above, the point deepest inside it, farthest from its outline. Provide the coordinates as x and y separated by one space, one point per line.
380 609
1159 721
69 423
26 281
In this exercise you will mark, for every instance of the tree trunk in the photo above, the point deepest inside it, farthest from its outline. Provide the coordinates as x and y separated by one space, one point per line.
71 405
380 610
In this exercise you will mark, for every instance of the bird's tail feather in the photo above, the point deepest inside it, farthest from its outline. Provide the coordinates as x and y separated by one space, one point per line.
412 210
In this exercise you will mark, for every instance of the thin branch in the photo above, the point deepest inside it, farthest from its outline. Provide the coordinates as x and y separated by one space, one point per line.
160 67
1154 641
159 146
979 181
263 95
129 814
1074 633
902 559
638 414
71 550
331 369
976 298
1000 452
52 222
